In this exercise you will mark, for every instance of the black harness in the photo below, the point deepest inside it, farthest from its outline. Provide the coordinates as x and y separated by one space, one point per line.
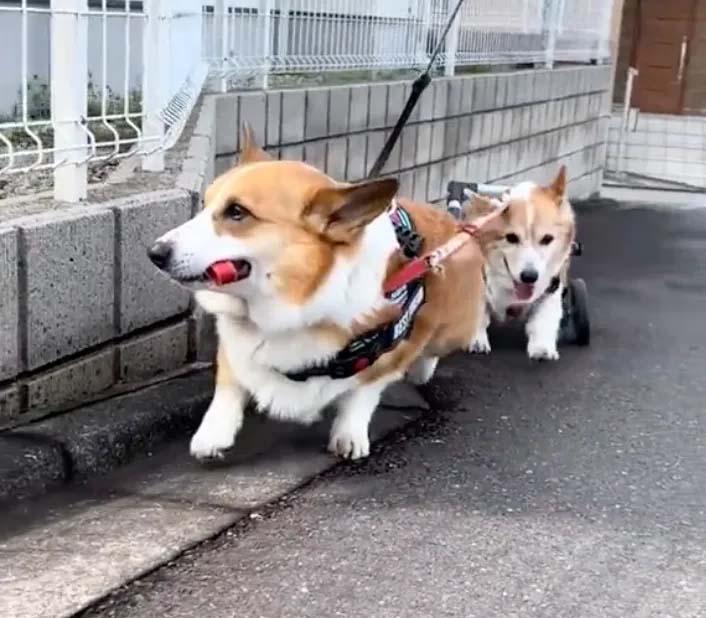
364 350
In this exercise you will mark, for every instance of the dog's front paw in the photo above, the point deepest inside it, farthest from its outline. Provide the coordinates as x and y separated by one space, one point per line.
541 350
207 443
480 344
349 442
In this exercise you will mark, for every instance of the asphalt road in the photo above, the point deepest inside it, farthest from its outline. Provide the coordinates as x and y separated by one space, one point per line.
575 489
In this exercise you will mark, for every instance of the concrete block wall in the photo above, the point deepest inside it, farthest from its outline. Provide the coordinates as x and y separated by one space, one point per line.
81 308
496 128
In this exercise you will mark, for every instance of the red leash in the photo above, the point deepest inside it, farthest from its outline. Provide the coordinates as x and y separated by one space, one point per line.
431 261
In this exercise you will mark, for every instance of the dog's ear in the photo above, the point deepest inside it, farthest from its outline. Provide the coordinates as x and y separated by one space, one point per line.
250 152
557 189
341 213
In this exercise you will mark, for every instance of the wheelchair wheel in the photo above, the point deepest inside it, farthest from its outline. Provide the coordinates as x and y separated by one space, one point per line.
582 324
575 327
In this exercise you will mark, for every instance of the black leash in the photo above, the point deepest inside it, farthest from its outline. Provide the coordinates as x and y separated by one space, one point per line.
418 86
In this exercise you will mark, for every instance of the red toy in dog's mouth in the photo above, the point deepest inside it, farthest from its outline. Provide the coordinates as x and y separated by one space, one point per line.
228 271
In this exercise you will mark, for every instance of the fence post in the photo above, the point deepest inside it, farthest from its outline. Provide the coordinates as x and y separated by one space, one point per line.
221 43
451 42
266 7
550 26
427 41
283 29
155 80
69 97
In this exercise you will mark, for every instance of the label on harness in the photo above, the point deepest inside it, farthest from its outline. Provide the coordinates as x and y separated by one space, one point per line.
405 320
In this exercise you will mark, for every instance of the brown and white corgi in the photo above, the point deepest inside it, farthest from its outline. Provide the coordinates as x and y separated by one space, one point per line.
527 249
306 322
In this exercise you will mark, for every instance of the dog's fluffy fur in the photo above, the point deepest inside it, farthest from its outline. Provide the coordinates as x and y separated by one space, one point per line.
532 238
319 252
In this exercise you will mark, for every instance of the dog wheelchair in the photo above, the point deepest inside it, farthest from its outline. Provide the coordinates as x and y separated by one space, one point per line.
575 325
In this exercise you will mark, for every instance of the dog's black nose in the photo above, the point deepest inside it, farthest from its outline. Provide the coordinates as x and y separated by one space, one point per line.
160 253
529 275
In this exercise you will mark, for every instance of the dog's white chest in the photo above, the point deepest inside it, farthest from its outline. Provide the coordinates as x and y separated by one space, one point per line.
260 363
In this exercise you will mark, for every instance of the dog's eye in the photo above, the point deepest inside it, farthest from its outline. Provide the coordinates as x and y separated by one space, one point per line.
546 239
235 212
513 239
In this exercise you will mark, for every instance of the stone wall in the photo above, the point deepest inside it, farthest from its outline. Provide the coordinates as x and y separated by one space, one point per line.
489 128
83 312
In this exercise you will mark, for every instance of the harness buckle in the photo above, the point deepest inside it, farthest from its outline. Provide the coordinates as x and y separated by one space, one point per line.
410 242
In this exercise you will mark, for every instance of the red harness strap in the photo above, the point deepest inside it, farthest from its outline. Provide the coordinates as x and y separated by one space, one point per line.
415 269
431 261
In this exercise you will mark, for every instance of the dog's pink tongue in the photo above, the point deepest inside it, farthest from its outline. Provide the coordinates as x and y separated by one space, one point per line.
523 291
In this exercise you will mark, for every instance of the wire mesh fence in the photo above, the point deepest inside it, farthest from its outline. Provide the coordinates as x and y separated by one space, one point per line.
582 30
510 32
264 37
93 81
309 35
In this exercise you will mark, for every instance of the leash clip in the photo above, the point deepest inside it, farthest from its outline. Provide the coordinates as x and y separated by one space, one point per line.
411 243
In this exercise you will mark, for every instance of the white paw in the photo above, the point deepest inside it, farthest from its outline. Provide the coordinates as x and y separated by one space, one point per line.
480 344
209 443
541 350
422 370
349 442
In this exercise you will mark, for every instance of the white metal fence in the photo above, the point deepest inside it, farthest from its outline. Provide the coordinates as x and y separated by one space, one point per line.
261 37
95 80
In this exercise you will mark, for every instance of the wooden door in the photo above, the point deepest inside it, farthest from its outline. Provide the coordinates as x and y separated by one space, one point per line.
661 55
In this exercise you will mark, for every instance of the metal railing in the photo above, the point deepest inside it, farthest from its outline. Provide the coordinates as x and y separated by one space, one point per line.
265 37
582 30
97 80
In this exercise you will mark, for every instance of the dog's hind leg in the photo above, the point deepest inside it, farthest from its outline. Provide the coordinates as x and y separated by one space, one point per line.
543 328
224 416
480 344
422 370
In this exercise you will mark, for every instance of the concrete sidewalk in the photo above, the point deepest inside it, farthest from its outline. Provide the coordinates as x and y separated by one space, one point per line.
97 438
659 199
